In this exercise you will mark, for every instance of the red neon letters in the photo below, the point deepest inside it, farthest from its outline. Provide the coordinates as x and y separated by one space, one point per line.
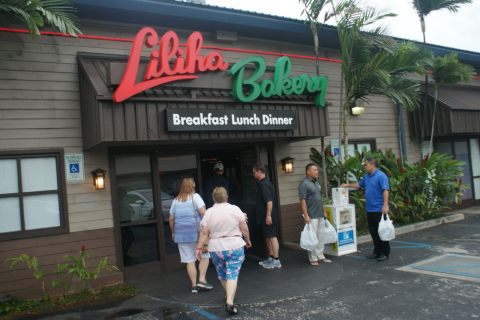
187 62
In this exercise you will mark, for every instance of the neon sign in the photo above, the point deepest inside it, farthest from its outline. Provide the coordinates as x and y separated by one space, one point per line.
187 62
169 62
251 88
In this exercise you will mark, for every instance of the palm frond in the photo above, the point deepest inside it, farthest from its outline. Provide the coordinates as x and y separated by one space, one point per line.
448 70
425 7
35 13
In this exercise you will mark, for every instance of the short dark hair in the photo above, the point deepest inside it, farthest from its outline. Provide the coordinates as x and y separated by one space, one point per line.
372 160
259 167
308 166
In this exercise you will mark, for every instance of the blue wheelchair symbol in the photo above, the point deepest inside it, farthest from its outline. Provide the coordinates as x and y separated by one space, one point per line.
74 168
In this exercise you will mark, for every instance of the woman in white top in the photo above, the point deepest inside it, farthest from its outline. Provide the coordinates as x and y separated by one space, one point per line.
223 226
186 213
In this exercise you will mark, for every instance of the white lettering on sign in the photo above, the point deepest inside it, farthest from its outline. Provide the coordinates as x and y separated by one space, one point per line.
200 120
209 119
240 121
269 120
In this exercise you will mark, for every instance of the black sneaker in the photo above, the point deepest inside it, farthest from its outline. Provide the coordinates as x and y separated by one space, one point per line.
373 256
382 258
195 289
204 285
230 308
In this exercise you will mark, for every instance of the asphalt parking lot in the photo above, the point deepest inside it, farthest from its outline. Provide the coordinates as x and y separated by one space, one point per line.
431 274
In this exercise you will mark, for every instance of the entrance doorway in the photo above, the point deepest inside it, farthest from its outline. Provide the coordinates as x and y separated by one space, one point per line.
237 163
145 185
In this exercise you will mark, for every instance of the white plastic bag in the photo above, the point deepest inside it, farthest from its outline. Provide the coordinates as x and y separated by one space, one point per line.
308 239
330 233
386 230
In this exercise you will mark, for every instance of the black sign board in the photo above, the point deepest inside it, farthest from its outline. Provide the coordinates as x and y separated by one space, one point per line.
230 120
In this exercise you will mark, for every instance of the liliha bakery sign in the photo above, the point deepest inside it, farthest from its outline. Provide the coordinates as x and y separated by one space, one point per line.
171 62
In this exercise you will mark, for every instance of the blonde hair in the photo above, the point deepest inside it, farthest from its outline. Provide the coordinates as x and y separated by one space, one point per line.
220 195
187 189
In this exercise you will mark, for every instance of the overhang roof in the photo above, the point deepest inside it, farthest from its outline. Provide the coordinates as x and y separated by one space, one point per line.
178 14
459 98
458 113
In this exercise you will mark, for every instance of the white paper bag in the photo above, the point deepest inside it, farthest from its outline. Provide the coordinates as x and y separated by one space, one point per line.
386 230
330 233
308 239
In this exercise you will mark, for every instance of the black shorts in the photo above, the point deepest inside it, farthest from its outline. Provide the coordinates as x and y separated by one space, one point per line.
269 231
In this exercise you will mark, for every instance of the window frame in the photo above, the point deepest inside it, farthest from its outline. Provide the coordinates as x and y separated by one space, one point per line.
58 154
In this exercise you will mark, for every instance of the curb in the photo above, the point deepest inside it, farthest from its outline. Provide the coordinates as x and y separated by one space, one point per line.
400 230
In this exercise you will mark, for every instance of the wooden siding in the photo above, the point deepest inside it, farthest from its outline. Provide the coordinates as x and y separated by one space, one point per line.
292 222
40 108
18 281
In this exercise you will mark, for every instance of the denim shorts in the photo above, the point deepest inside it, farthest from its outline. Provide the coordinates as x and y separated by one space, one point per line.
228 263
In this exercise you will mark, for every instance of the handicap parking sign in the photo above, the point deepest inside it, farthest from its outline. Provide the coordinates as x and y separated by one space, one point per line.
74 168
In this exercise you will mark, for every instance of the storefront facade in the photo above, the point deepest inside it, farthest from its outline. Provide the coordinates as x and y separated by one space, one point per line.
63 116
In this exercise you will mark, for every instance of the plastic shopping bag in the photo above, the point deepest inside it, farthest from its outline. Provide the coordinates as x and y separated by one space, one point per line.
308 239
330 233
386 230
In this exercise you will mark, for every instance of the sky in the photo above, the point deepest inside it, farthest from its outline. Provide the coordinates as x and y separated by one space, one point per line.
459 30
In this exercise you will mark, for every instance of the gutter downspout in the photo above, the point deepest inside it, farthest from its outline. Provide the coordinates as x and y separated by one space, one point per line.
401 133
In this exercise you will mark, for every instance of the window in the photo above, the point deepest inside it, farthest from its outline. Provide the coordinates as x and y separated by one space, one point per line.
31 195
359 145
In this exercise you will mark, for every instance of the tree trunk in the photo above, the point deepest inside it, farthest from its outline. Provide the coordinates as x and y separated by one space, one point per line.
430 148
346 109
425 98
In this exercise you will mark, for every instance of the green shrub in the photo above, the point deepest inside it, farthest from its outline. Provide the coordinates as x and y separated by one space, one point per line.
419 191
73 270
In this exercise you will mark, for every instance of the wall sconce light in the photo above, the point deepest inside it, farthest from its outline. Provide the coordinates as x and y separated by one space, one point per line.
358 108
287 165
99 178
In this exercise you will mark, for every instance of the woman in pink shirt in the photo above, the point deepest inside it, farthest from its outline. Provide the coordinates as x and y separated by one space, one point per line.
223 226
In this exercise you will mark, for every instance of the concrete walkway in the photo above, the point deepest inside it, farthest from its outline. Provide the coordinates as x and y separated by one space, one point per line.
349 288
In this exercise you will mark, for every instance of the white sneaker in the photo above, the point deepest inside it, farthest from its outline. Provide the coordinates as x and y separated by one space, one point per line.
268 260
274 264
325 260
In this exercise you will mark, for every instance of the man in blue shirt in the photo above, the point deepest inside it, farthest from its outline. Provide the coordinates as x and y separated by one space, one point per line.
376 186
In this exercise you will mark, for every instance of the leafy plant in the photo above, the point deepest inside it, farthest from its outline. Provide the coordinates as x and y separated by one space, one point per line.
75 268
418 191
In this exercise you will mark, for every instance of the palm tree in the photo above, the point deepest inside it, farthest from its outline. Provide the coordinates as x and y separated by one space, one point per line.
372 63
312 9
446 70
423 9
59 14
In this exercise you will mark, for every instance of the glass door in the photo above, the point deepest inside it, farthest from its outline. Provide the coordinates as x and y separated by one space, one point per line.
461 153
136 209
171 170
475 160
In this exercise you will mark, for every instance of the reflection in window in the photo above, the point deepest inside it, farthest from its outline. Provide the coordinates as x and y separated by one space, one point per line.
136 205
172 170
139 244
134 188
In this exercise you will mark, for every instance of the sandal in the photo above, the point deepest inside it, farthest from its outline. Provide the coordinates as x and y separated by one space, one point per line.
230 308
314 263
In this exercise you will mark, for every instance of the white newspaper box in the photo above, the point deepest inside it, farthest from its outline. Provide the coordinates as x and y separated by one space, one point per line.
343 220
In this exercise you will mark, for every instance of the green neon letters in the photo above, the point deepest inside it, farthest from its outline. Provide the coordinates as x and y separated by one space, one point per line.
252 88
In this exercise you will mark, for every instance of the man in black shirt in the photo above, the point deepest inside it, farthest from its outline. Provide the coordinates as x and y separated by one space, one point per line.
266 212
216 180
